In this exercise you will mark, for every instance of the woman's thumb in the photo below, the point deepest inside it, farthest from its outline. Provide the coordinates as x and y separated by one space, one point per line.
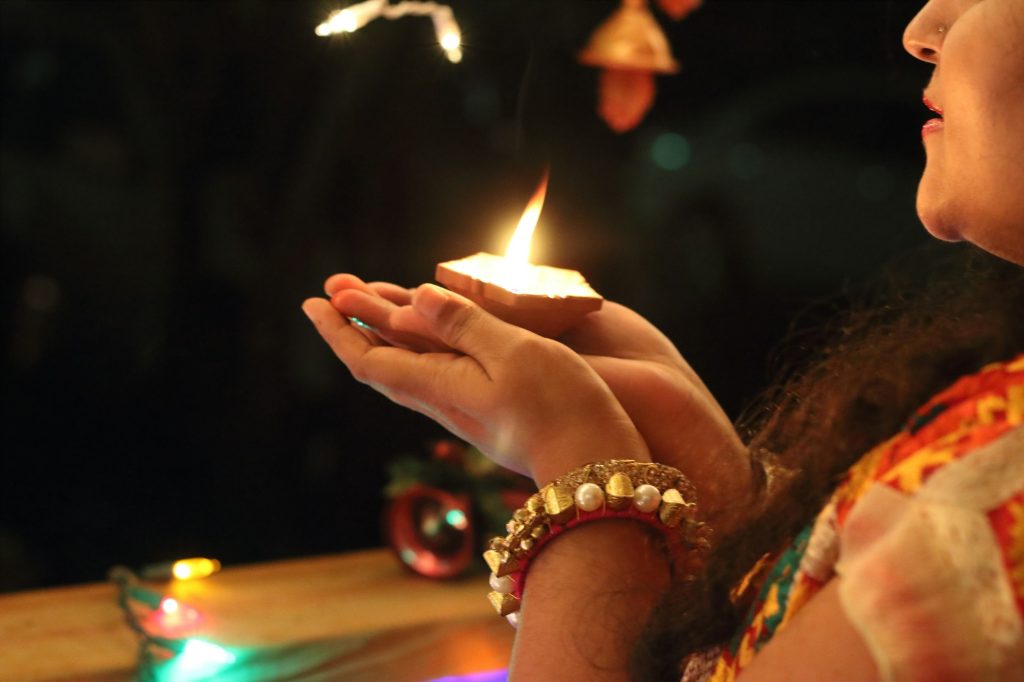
459 322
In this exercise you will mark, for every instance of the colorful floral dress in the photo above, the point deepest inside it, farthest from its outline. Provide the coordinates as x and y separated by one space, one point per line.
927 533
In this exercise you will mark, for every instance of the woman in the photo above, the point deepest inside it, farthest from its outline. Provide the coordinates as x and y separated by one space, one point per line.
847 600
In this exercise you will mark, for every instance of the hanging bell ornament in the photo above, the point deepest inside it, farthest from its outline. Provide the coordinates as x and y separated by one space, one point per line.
678 9
629 48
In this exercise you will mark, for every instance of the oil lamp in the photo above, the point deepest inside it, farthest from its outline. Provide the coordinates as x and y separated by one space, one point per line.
544 299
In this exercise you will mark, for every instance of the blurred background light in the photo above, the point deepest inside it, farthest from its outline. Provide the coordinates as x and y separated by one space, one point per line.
670 151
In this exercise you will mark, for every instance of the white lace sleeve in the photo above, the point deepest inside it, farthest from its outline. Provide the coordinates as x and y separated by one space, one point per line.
922 576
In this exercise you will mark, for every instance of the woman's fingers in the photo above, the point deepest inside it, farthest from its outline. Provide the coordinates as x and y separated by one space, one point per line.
392 292
372 304
344 339
431 378
386 290
374 313
336 283
370 309
423 383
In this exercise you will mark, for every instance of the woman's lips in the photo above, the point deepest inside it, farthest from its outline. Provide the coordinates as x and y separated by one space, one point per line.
932 125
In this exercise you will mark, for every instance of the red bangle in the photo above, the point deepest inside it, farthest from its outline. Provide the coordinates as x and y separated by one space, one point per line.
654 494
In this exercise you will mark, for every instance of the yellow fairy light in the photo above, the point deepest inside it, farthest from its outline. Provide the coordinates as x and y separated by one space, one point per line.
351 18
450 41
192 569
448 33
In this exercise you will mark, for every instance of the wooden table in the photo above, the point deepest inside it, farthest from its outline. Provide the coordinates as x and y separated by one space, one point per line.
356 617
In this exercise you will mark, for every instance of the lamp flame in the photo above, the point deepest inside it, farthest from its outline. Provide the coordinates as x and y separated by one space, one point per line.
518 251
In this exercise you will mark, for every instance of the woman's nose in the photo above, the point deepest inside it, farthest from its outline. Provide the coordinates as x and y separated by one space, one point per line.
925 33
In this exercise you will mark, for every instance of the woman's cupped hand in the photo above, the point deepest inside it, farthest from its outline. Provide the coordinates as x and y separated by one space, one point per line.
508 391
531 404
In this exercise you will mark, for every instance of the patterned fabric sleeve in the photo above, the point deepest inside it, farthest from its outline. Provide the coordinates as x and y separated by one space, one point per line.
926 578
928 532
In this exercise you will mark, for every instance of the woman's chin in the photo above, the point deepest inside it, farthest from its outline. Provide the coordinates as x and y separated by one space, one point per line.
937 225
942 233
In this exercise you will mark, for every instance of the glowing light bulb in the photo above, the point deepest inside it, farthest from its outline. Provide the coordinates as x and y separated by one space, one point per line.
175 614
448 33
351 18
197 659
341 21
175 618
451 41
192 569
202 653
347 21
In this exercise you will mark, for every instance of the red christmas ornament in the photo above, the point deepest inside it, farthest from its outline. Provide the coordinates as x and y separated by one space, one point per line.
431 531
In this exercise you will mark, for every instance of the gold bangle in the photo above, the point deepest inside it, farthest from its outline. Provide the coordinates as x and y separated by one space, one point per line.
655 494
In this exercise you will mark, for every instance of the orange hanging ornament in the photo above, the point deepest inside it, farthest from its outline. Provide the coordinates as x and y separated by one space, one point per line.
677 9
630 48
626 97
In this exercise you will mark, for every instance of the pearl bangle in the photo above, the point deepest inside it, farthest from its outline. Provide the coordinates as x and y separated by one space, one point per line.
655 494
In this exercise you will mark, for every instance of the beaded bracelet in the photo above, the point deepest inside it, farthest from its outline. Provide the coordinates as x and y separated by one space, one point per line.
655 494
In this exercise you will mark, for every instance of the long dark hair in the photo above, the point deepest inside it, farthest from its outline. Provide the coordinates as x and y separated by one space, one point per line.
937 315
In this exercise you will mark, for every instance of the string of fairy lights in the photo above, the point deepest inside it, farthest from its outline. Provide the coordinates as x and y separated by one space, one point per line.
168 649
629 48
354 17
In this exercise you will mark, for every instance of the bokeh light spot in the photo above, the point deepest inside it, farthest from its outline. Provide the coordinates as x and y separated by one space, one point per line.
670 151
456 518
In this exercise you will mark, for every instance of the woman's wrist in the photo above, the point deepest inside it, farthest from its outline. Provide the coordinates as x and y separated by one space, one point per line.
729 483
587 601
566 450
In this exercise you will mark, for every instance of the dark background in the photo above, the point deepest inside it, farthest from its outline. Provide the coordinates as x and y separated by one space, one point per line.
178 176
